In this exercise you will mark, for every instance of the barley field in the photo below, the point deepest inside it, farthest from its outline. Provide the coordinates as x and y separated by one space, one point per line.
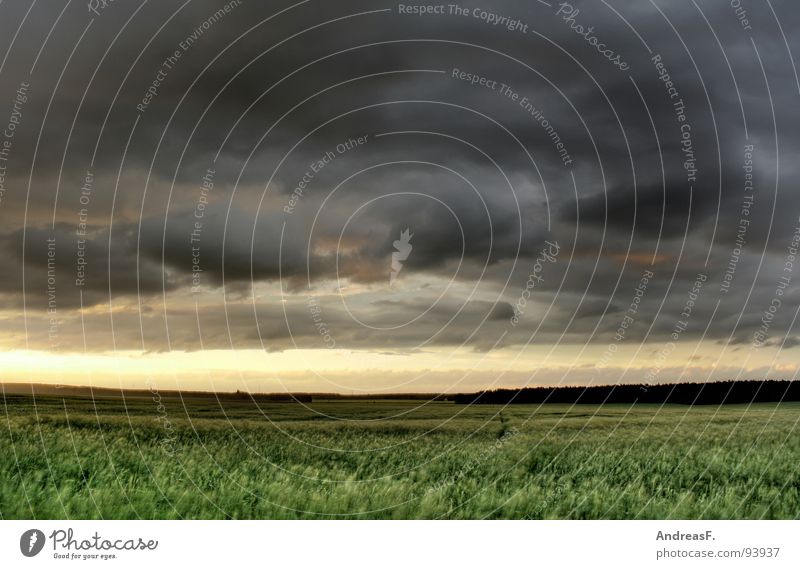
202 459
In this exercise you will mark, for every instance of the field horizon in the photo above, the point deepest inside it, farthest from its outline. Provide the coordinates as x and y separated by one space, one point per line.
687 393
172 458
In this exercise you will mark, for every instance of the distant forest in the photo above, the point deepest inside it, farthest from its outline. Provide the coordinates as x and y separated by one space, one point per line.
712 393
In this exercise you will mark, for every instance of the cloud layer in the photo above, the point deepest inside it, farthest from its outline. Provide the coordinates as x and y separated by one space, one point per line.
236 175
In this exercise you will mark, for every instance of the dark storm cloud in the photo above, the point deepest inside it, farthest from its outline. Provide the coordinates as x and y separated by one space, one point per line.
650 211
111 266
263 106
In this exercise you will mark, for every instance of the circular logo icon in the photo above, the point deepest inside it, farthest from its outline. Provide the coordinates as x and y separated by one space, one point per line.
31 542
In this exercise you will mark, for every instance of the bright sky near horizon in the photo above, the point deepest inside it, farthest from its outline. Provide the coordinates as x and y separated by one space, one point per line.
393 201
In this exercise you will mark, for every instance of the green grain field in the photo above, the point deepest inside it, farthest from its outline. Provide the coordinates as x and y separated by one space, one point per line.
141 458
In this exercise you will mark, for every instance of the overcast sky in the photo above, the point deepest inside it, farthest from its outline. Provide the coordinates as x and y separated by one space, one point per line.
214 194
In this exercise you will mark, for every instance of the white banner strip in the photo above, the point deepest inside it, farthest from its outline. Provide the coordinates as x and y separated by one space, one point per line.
372 544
